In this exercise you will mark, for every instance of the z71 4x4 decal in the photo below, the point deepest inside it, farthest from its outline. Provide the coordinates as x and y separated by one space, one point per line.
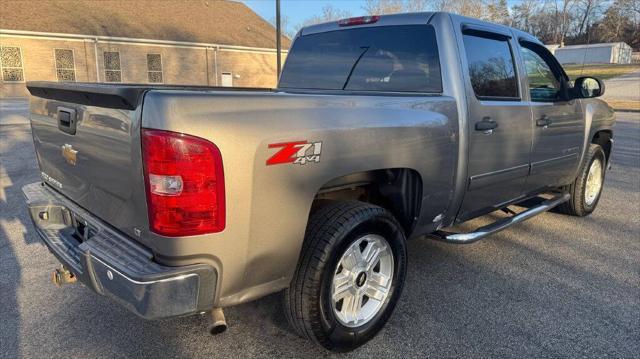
300 152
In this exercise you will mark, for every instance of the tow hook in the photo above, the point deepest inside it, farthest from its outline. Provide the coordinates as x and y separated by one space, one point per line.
62 276
217 323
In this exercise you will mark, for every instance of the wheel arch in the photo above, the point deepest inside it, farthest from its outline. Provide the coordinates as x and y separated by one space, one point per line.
398 190
604 138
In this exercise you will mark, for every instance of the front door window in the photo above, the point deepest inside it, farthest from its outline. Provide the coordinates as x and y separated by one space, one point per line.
544 84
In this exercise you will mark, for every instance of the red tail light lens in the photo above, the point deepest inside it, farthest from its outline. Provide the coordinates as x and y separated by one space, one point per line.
361 20
185 184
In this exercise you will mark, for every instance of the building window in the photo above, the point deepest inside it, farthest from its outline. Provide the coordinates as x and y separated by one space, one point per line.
11 64
154 68
65 65
112 69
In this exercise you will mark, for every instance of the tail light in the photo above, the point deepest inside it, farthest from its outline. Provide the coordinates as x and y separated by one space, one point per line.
185 184
361 20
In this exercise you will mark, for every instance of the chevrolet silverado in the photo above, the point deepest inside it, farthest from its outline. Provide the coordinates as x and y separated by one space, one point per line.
178 200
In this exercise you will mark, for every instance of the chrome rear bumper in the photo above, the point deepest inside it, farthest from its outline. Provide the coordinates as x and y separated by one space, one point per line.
115 266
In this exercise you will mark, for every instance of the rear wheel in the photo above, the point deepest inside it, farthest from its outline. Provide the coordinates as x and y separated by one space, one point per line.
585 191
349 277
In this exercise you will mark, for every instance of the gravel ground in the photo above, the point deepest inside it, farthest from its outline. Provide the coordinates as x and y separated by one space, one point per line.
554 286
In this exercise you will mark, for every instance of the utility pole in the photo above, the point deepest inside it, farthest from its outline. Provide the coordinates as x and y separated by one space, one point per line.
278 45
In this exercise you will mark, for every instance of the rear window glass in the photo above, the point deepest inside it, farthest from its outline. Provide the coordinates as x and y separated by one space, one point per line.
491 67
385 58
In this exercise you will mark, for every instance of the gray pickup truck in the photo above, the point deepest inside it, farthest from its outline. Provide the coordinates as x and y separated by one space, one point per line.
176 200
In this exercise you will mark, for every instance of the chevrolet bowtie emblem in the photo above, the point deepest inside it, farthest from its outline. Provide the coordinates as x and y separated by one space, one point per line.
69 154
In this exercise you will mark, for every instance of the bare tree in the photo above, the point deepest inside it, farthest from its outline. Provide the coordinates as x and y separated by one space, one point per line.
382 7
416 5
587 8
563 19
523 14
492 10
497 11
619 24
329 13
284 25
552 21
471 8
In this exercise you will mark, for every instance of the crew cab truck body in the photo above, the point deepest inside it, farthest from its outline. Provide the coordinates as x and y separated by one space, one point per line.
180 200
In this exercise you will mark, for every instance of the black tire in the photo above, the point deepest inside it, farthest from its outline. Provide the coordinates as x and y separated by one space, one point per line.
331 230
577 204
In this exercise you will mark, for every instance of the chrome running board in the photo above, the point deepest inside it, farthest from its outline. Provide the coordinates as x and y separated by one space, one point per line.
497 226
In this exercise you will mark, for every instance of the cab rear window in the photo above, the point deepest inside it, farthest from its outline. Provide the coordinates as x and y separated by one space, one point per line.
383 58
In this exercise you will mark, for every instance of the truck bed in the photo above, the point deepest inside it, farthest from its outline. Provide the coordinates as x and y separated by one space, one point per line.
117 96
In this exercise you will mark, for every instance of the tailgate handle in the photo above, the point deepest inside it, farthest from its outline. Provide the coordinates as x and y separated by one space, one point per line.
67 120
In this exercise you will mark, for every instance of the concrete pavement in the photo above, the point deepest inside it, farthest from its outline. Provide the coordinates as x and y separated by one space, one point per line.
623 88
14 111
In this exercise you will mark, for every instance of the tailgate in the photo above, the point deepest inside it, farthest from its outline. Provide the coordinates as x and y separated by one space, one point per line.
89 151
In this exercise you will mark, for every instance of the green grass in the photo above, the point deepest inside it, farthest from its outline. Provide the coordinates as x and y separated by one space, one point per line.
602 72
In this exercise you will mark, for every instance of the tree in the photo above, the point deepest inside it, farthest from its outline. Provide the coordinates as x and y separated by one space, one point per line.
470 8
492 10
588 9
416 5
612 24
284 25
619 24
498 12
552 21
329 13
562 19
523 14
382 7
632 10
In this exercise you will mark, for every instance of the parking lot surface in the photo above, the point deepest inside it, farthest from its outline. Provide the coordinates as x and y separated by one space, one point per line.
554 286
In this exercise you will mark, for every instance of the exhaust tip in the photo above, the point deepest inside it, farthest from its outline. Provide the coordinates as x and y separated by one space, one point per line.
215 329
218 323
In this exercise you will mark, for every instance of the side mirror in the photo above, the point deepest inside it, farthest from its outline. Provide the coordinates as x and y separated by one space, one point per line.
588 87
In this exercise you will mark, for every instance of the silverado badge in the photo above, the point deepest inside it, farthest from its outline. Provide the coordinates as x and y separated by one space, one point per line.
69 154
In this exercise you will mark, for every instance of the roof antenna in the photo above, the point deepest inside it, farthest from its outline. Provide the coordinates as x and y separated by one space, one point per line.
586 47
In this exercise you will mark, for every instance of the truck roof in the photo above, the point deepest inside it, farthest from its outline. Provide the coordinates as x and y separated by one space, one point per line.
416 18
384 20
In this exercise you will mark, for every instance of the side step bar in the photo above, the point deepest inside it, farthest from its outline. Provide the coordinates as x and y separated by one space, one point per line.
465 238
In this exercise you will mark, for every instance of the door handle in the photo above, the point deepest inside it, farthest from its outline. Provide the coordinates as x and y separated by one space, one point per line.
487 125
543 121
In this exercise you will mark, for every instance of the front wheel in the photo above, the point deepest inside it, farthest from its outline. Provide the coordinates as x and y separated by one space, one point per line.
585 191
350 275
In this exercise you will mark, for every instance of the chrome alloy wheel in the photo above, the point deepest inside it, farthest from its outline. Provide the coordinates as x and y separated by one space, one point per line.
362 280
594 182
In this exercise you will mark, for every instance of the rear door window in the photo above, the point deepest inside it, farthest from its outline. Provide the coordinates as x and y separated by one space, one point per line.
384 58
491 67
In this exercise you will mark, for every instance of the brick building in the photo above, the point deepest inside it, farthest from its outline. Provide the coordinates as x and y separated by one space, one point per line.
214 42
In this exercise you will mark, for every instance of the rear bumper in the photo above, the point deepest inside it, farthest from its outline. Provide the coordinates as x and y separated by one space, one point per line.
115 266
